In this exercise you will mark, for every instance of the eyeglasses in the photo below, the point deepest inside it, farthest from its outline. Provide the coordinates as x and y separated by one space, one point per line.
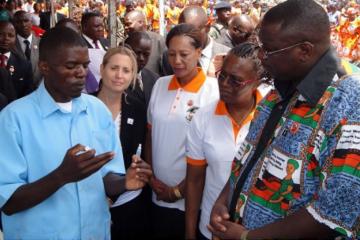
232 80
267 54
241 32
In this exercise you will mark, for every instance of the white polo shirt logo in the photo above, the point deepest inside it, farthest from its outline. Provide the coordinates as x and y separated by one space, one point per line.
170 111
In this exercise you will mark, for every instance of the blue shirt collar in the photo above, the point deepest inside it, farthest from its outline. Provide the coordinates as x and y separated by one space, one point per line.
48 105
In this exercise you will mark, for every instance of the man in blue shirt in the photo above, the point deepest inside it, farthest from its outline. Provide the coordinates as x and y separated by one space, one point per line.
51 185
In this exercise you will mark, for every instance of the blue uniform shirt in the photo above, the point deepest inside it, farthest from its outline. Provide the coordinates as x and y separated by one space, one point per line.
35 135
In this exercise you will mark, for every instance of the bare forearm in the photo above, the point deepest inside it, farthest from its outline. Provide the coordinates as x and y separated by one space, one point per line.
30 195
114 184
193 196
148 150
224 194
300 225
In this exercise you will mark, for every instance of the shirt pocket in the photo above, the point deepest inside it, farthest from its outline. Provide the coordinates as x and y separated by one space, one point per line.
102 140
293 139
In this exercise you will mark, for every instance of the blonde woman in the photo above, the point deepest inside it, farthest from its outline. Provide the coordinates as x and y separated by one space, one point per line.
118 73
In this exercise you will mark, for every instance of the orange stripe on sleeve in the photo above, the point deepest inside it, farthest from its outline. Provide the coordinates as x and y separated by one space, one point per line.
196 162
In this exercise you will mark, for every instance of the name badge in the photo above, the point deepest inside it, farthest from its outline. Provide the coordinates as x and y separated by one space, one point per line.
130 121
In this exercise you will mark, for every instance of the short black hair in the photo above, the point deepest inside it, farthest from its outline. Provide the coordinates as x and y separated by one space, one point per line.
87 16
19 13
244 50
56 39
188 30
136 36
6 22
63 21
304 19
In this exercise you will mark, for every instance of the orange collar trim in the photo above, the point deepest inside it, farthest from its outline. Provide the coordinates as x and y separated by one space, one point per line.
193 86
222 110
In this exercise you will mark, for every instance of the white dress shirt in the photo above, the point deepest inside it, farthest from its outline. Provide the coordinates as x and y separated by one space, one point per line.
22 44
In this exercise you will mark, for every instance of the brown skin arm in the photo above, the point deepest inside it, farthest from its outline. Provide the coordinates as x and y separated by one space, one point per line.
194 181
148 154
31 194
220 212
163 191
147 149
137 175
74 167
300 225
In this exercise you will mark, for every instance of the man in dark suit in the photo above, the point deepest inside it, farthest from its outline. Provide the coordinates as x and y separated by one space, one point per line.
45 17
27 44
7 91
135 21
19 69
196 16
141 44
92 27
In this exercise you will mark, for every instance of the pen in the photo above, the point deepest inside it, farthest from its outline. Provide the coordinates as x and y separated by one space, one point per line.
138 150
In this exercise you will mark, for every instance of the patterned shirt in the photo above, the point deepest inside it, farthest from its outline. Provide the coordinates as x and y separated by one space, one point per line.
313 159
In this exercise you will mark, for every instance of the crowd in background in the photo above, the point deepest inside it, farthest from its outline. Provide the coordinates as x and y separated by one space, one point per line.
343 15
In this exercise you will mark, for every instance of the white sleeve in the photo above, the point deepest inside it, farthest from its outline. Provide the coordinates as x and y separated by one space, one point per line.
194 138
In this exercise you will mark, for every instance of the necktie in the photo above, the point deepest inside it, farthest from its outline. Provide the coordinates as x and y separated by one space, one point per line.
96 44
27 49
3 60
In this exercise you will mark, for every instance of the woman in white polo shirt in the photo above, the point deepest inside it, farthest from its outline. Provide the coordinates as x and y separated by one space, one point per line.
174 101
217 131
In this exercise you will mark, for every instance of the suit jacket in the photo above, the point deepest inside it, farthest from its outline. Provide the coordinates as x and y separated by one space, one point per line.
148 79
225 39
133 126
45 19
133 123
3 101
103 41
157 49
20 74
133 115
216 49
105 44
219 49
34 57
7 91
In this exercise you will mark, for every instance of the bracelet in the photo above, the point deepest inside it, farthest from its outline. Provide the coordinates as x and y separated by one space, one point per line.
177 193
244 235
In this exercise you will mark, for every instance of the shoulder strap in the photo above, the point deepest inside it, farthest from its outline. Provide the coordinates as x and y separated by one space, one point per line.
268 132
217 28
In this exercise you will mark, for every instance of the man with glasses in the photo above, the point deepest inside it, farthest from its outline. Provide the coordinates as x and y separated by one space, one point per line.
297 175
240 29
